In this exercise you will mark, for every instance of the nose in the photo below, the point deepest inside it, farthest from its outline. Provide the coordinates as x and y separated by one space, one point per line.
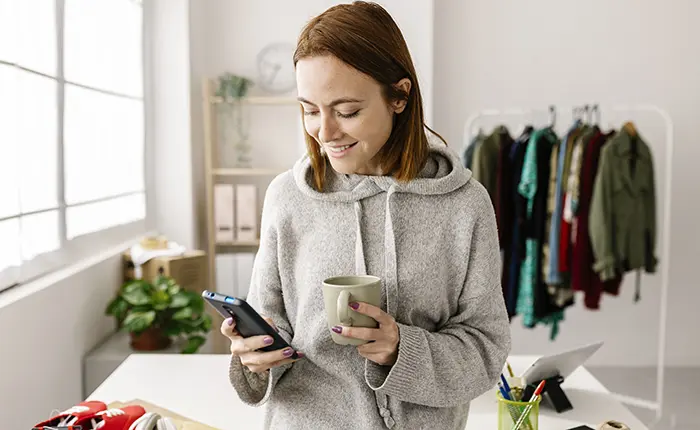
329 130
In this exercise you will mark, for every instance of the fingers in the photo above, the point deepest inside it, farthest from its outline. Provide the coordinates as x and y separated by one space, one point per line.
372 311
228 328
373 348
358 332
261 361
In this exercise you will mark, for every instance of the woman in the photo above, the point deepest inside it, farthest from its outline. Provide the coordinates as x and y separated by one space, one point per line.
373 196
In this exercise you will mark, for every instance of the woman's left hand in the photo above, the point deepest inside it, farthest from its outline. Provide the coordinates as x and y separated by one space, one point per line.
383 346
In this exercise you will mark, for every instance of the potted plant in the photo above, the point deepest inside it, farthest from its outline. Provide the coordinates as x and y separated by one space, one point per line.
156 313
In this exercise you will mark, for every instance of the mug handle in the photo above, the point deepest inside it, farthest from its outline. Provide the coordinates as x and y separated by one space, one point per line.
342 308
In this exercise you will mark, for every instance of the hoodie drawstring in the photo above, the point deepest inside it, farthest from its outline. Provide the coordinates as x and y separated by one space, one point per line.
360 267
390 280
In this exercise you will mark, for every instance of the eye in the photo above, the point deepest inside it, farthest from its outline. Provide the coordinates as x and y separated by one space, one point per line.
310 113
349 115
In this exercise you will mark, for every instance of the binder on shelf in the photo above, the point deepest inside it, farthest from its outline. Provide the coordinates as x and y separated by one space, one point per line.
224 213
246 213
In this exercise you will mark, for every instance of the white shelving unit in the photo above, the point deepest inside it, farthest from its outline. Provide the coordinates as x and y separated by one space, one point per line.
216 174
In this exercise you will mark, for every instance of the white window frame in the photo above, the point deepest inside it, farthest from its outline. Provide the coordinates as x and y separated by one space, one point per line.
74 250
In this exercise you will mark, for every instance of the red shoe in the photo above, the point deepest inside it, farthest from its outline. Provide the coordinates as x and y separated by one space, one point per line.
71 416
113 419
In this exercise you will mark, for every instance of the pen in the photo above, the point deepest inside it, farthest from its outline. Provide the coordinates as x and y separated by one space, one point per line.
510 370
505 384
527 410
504 393
511 409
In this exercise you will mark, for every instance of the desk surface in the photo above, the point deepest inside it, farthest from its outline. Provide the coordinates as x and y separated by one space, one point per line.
197 387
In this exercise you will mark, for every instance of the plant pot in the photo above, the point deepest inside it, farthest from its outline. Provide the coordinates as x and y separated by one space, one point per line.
151 339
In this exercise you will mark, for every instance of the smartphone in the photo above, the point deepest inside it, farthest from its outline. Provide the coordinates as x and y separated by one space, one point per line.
248 321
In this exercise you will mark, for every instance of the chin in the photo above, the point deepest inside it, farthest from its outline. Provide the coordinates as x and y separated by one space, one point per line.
343 168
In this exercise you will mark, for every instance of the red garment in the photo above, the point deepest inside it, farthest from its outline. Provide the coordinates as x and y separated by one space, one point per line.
583 277
565 246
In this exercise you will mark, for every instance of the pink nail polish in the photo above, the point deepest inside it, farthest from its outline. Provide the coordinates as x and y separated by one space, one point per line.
355 306
288 352
268 341
229 321
337 329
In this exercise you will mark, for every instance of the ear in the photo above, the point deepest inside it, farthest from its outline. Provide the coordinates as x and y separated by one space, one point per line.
404 85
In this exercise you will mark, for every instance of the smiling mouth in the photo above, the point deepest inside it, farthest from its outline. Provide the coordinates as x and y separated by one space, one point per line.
338 149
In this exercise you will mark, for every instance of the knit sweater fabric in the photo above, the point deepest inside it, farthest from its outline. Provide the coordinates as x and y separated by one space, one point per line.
434 243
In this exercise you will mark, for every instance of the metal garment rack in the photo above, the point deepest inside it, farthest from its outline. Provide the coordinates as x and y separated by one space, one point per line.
657 404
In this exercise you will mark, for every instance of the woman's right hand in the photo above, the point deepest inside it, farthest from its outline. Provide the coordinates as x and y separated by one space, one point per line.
246 349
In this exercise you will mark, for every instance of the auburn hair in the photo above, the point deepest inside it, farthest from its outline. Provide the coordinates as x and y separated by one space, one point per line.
363 35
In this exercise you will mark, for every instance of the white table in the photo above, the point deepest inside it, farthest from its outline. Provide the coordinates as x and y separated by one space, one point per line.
197 387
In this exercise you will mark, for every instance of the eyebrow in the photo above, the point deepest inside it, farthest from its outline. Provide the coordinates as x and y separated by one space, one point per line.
334 102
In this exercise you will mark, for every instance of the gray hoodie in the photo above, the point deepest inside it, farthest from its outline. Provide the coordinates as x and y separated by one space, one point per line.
434 243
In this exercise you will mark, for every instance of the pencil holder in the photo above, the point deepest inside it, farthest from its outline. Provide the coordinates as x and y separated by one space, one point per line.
510 412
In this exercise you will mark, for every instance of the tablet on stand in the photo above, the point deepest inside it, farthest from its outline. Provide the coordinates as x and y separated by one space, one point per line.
554 369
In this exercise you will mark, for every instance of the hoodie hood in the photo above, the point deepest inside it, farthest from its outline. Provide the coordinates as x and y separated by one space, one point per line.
442 174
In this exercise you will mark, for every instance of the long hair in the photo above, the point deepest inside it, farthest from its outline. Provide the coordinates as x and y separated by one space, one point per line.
363 35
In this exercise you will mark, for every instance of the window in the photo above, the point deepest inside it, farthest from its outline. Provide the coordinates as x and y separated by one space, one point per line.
71 131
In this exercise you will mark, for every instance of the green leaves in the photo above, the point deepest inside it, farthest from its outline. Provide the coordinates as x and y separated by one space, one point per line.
117 308
163 305
179 300
160 300
183 314
139 321
136 293
193 344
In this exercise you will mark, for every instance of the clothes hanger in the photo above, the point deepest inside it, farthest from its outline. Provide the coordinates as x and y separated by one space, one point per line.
595 114
630 128
552 116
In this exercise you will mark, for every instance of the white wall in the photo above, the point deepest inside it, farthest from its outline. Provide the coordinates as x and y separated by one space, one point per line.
46 328
501 53
168 65
226 36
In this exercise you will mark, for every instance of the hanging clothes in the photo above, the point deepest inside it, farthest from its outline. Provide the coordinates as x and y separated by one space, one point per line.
486 166
504 179
468 153
533 302
514 249
583 277
623 209
560 230
564 159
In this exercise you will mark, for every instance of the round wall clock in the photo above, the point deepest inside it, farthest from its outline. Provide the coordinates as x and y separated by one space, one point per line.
276 68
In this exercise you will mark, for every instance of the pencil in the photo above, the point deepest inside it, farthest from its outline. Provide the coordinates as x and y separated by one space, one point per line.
510 370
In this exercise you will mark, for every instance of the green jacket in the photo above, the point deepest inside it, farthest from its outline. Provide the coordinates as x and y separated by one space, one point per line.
622 220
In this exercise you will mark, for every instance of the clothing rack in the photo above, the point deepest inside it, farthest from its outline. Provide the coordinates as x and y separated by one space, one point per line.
657 404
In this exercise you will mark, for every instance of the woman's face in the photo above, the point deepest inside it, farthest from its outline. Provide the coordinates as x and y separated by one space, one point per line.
345 111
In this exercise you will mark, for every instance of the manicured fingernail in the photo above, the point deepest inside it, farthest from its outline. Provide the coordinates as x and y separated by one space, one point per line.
301 354
355 306
337 329
268 341
288 352
229 321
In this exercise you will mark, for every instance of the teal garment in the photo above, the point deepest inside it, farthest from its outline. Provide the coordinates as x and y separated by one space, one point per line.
527 187
525 305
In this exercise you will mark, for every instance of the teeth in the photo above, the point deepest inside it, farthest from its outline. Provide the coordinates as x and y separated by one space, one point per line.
339 148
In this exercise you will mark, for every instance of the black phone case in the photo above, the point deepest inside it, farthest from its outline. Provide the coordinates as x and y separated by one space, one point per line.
248 321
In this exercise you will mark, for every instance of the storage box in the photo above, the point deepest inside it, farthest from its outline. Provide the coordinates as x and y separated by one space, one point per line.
246 212
188 270
224 213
